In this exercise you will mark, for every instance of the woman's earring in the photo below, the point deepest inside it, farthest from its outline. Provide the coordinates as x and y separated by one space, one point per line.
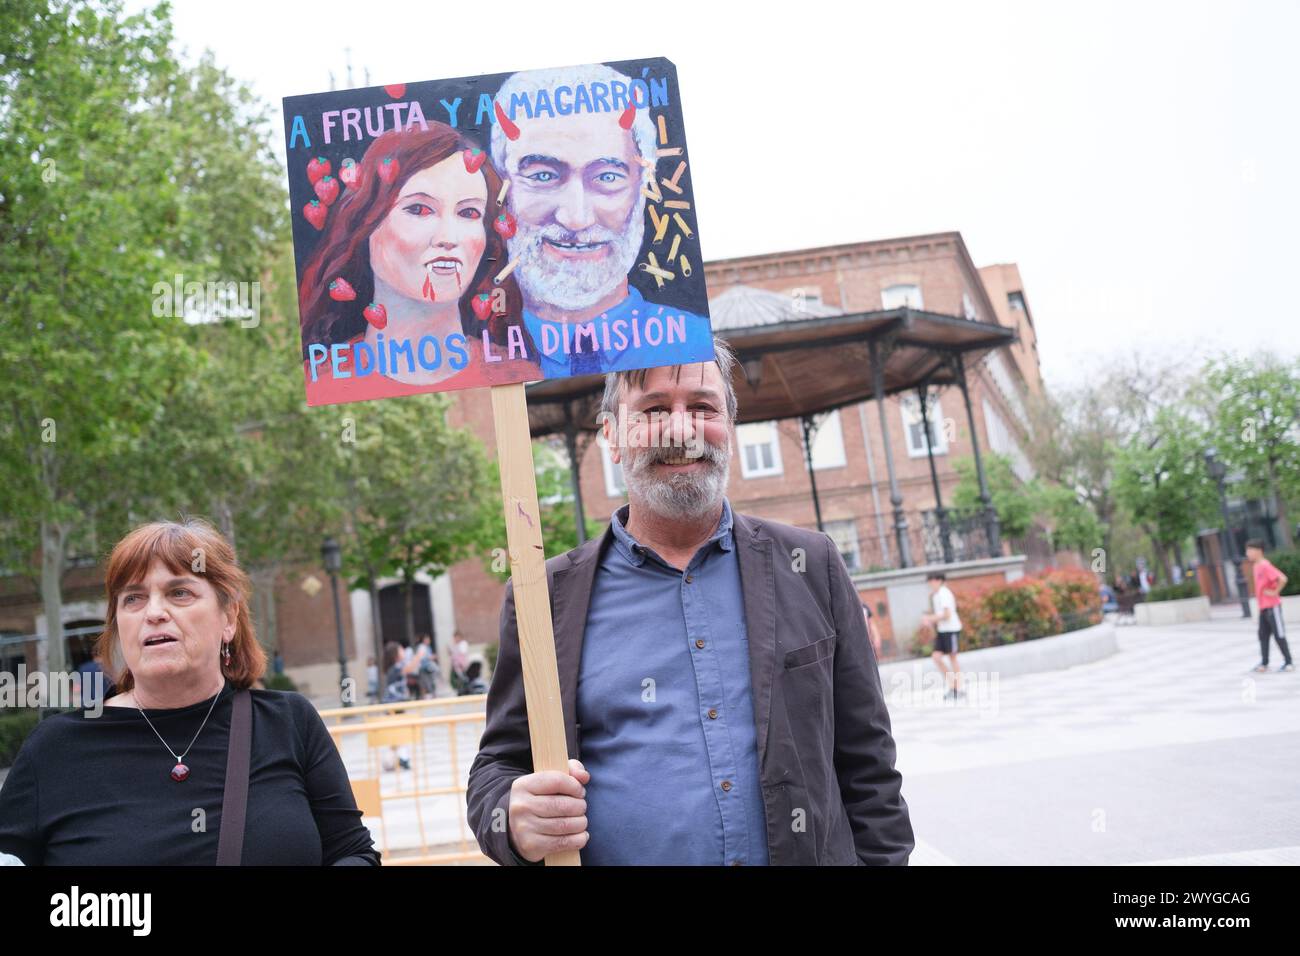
225 651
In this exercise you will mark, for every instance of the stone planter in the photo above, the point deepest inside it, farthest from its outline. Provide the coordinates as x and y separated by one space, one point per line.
1024 657
1163 613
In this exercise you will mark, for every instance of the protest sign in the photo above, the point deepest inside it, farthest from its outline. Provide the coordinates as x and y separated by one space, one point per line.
494 229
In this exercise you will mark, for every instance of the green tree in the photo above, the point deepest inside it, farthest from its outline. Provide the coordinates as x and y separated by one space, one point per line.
1069 522
1013 500
555 500
418 495
122 169
1160 478
1257 427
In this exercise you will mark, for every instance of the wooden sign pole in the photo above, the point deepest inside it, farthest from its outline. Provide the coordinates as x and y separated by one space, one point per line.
532 600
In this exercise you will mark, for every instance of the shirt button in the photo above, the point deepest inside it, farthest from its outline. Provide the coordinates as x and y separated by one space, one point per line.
689 579
699 644
726 785
713 714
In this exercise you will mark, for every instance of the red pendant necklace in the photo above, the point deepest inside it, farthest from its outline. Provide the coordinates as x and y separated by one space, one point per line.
180 771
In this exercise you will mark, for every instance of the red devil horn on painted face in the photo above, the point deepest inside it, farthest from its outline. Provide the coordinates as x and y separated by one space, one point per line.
627 117
507 127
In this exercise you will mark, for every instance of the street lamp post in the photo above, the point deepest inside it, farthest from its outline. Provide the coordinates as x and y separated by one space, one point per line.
1218 471
332 558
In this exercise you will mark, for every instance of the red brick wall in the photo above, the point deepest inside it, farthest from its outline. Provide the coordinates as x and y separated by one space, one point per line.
305 624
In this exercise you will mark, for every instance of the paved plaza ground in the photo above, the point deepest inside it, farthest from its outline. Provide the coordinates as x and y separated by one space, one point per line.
1169 751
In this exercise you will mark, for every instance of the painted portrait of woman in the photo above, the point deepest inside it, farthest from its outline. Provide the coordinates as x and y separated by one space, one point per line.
399 297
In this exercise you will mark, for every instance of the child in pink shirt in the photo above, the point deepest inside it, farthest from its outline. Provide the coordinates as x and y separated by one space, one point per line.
1269 582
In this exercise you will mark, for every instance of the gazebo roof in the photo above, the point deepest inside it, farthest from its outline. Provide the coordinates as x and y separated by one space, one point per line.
800 357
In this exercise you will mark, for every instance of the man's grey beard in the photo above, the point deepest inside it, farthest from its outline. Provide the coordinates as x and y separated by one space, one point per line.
681 495
574 285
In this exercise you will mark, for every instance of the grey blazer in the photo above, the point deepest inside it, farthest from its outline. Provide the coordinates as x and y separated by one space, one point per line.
825 751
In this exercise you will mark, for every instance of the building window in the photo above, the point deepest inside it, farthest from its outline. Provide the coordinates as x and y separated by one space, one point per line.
898 296
614 485
914 428
760 450
828 442
845 536
1016 300
968 307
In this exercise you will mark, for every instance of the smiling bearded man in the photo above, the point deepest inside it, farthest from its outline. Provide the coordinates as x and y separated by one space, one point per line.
716 677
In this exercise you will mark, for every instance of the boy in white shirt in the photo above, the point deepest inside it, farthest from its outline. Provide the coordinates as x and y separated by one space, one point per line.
947 626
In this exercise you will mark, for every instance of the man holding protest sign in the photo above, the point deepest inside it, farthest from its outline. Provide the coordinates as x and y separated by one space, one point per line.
716 675
717 665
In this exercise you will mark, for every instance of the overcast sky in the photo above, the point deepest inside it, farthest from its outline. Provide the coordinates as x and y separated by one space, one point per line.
1139 161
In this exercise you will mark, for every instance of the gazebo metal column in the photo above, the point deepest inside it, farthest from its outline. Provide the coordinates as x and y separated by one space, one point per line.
923 395
895 496
575 470
990 515
805 422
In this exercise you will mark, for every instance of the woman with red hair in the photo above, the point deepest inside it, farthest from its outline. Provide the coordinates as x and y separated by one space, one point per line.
400 296
145 781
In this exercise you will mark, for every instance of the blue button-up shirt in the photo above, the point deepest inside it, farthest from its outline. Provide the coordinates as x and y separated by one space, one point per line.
696 347
666 711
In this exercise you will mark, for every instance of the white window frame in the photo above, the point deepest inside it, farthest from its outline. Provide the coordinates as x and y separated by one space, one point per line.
910 412
752 431
851 527
614 486
910 293
828 444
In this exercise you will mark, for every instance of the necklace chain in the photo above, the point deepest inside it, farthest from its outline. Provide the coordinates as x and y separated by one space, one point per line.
180 757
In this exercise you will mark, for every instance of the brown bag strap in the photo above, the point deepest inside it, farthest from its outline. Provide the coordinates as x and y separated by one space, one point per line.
234 803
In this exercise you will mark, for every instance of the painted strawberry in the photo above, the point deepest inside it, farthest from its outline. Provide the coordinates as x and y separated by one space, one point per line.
504 225
315 213
396 91
474 159
350 173
327 190
342 291
376 315
389 169
482 305
317 168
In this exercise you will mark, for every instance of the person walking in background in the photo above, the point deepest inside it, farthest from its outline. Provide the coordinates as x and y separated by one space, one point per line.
427 669
947 630
410 670
395 688
459 661
372 680
1269 582
873 632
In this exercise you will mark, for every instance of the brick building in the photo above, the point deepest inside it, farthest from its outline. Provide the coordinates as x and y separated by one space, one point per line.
770 475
